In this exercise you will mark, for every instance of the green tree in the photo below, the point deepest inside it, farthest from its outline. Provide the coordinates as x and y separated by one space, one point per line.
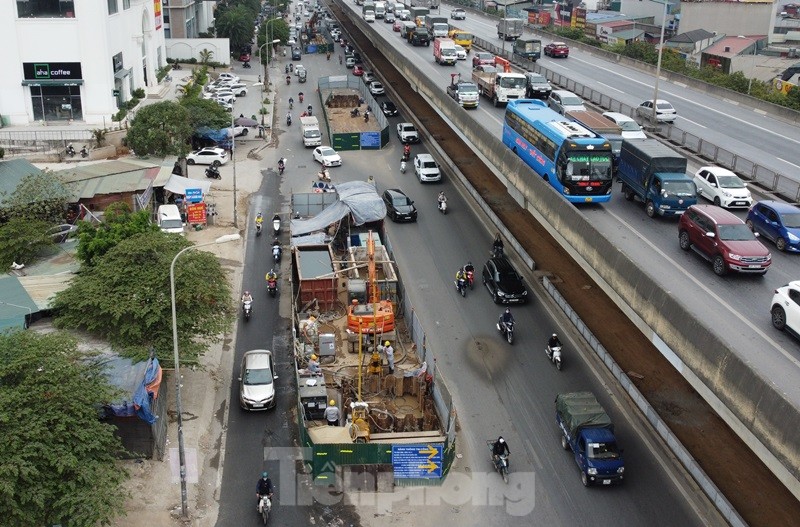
205 56
39 196
276 29
119 224
236 24
125 297
205 112
57 461
160 129
21 240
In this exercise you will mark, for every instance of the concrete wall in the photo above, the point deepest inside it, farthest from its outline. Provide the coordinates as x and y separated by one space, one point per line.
188 48
758 413
729 18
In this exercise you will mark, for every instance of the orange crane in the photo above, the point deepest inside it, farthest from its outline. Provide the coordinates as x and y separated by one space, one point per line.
378 315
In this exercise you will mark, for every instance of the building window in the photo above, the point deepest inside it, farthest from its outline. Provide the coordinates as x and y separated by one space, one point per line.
126 4
45 8
56 103
112 7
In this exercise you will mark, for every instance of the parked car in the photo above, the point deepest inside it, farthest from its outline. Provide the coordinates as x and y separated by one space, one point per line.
722 187
208 156
358 70
257 380
557 49
237 131
60 233
407 133
461 53
327 156
778 222
458 14
376 88
399 207
665 113
244 57
388 108
239 89
723 239
350 62
368 77
630 128
426 168
785 308
503 282
228 77
481 57
563 101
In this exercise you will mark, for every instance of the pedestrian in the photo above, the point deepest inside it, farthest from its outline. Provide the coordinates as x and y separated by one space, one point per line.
332 413
388 350
340 60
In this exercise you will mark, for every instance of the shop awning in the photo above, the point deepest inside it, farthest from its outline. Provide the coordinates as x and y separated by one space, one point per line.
179 184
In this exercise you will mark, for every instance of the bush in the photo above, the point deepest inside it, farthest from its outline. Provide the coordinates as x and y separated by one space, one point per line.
120 115
131 104
192 60
138 93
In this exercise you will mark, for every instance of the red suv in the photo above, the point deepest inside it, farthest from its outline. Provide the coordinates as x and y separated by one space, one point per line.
723 239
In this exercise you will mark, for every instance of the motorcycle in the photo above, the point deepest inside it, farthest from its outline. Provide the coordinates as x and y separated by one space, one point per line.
288 79
258 229
461 286
323 175
497 251
300 97
286 69
264 508
213 172
403 166
443 207
471 279
245 65
501 464
507 330
276 251
288 120
70 150
176 66
355 112
554 354
276 225
247 309
272 286
281 166
84 151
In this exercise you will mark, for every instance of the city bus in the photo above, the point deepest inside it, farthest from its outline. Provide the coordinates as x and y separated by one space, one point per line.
574 160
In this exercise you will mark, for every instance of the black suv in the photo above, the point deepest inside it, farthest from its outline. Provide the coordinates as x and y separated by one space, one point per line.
419 36
503 282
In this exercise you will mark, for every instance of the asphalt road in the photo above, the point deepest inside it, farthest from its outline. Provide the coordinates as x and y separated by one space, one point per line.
736 307
497 388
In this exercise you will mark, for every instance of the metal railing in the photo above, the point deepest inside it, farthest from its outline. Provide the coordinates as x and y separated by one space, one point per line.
21 142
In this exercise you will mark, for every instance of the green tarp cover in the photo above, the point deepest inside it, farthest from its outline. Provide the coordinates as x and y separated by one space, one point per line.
581 409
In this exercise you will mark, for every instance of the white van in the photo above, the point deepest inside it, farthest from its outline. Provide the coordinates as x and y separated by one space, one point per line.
169 219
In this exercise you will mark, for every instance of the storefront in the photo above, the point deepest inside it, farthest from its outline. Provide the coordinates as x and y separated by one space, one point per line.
55 90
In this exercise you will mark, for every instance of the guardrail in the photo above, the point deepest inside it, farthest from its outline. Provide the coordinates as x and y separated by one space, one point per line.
774 182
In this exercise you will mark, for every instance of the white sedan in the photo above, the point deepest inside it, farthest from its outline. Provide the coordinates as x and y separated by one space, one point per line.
461 53
327 156
208 156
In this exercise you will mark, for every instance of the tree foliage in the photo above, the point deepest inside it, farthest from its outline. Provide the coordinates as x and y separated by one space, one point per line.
160 129
277 29
21 240
205 112
119 223
236 24
57 460
125 297
39 196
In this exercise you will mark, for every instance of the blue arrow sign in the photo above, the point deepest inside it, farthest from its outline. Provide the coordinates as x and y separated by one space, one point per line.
417 461
194 195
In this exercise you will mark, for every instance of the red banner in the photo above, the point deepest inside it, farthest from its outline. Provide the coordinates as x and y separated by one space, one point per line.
196 213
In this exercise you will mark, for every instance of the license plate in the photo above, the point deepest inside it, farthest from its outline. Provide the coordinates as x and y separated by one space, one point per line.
754 267
606 482
258 406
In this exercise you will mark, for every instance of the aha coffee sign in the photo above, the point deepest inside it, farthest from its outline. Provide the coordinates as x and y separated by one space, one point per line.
52 70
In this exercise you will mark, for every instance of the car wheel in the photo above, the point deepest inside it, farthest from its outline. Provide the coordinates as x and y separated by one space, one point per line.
564 443
627 192
778 318
585 479
190 161
216 164
719 265
717 202
245 131
749 223
650 209
495 298
780 243
683 239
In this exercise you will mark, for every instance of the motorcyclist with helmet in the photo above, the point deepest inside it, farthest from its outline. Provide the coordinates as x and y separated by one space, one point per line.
554 342
500 448
246 297
461 275
264 489
469 268
497 246
506 317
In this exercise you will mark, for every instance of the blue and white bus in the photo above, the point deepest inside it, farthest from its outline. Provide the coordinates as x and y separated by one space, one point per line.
574 160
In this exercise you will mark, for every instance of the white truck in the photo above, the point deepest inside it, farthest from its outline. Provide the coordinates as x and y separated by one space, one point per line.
444 51
500 86
309 127
509 28
380 9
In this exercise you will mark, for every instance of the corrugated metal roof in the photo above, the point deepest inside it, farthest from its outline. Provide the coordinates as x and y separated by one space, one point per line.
12 172
15 305
735 46
696 35
111 177
627 34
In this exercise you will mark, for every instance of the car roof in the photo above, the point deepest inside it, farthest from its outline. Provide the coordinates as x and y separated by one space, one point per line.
257 359
779 206
717 171
559 43
502 264
718 214
214 148
425 157
618 117
406 124
395 192
564 92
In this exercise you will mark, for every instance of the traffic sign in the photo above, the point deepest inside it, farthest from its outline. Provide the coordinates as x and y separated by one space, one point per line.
417 461
194 195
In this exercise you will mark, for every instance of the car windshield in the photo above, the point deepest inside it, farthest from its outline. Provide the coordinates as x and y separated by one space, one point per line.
468 89
680 188
791 220
508 276
257 377
400 201
571 101
327 152
602 451
591 167
409 128
172 224
735 233
629 126
311 133
485 56
512 82
730 182
537 79
429 164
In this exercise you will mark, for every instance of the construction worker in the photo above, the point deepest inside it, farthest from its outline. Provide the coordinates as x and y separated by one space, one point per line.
389 351
313 365
332 413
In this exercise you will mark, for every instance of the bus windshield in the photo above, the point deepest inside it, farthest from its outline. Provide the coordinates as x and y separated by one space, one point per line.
588 167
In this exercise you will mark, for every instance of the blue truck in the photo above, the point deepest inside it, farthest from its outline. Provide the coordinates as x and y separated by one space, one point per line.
656 175
587 430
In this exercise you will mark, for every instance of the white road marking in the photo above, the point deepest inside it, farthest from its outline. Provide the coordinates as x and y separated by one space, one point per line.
610 87
788 162
693 122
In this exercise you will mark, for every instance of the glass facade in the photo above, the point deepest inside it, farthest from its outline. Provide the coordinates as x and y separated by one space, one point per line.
56 103
45 9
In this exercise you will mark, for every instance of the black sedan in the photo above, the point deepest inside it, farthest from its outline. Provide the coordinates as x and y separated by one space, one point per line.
398 206
503 282
388 108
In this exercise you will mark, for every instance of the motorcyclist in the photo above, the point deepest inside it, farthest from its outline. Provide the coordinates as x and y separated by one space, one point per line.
469 268
281 164
497 246
288 117
291 103
263 488
288 79
271 275
506 317
441 199
461 275
246 297
553 342
259 220
406 151
499 448
300 97
403 165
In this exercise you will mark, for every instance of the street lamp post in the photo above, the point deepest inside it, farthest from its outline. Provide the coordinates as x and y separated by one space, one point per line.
653 118
753 62
176 358
233 157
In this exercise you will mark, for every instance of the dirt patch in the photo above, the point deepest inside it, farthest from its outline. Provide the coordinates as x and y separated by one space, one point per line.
338 112
755 492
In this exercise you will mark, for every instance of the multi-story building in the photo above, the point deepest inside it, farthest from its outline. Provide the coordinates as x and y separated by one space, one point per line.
187 18
76 60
